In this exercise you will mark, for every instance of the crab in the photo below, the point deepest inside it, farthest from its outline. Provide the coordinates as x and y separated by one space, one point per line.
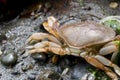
89 40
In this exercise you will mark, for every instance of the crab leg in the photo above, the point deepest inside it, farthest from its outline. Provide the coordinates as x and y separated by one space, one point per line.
55 50
46 46
108 63
111 47
42 36
95 61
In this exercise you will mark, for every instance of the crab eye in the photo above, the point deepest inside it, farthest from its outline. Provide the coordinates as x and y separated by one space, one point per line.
113 22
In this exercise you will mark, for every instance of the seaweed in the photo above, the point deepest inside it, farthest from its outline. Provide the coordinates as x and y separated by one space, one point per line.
98 74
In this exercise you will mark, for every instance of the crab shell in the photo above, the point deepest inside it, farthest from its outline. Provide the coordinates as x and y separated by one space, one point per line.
82 34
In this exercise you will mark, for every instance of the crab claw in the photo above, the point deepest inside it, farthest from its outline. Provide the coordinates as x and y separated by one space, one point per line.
42 36
52 25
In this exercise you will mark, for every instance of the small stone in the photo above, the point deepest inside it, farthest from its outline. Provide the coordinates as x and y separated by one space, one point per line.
9 59
41 57
113 5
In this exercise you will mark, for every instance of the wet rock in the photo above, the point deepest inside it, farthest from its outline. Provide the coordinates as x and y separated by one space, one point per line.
49 75
79 70
41 57
9 59
64 63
